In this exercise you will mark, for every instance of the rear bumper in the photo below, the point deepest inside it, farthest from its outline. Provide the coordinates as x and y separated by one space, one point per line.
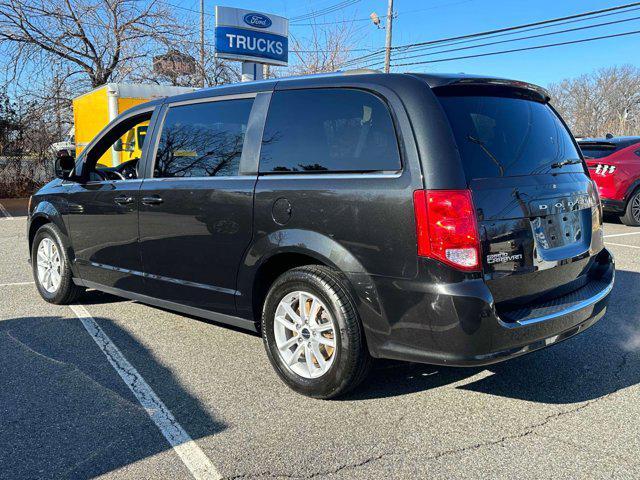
458 324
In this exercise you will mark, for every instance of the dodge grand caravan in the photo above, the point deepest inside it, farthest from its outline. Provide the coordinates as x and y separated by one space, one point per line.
445 219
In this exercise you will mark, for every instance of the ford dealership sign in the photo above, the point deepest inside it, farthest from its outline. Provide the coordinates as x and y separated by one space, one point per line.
251 36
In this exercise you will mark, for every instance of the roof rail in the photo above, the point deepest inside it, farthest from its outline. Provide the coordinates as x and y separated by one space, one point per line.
358 71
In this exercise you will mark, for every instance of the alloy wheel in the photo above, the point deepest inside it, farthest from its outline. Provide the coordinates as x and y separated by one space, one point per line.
305 334
635 208
49 265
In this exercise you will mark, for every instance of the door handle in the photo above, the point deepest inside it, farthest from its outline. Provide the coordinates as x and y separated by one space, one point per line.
123 200
154 200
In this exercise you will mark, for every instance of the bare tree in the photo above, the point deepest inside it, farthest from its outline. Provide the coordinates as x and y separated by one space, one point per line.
326 48
95 37
605 101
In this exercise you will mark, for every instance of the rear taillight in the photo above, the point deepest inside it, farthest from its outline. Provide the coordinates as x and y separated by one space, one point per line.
446 227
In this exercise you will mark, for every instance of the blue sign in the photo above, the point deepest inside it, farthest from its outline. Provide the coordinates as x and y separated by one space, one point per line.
257 20
250 36
253 45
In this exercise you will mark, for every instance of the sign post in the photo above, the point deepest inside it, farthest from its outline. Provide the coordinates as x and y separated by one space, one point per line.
252 38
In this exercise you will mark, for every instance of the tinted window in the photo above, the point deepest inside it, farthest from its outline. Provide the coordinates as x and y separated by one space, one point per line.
328 131
504 136
203 139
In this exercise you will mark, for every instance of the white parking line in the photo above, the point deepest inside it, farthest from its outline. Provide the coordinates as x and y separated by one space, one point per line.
14 284
5 213
189 452
621 234
622 245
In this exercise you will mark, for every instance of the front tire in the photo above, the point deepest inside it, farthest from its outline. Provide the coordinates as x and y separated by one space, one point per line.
52 267
631 215
312 333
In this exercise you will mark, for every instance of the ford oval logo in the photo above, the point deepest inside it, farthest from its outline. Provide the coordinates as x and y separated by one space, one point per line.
257 20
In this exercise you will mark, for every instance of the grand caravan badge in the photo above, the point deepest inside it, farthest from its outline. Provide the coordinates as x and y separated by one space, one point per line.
503 257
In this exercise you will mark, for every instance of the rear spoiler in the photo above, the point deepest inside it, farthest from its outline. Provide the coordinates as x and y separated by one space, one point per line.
536 92
602 145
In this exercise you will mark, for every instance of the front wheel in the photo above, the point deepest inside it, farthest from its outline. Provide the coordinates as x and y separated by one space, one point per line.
312 333
631 215
52 268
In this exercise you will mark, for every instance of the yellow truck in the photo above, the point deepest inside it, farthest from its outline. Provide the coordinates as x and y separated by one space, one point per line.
93 110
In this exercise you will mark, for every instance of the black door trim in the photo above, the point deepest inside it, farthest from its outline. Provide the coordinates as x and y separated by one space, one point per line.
178 307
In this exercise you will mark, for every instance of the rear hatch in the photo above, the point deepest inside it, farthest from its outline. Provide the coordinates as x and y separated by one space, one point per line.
538 212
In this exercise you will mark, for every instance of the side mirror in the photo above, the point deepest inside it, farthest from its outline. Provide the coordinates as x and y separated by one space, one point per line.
64 166
118 145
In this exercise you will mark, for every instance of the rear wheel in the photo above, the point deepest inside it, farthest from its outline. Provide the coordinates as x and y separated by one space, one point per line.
52 268
312 333
631 216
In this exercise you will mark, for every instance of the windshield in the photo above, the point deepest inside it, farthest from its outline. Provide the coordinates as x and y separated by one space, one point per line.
506 137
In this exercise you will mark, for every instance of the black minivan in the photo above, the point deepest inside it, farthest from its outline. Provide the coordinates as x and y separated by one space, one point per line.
446 219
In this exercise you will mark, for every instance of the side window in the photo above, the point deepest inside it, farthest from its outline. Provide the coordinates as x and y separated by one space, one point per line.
203 139
116 155
328 130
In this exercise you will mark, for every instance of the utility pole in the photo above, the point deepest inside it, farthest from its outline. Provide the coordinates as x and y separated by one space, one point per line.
388 26
202 43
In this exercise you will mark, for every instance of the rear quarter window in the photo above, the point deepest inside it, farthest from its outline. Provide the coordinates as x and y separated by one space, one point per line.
328 130
504 136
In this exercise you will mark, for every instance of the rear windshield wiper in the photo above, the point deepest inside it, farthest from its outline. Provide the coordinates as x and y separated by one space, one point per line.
484 148
561 164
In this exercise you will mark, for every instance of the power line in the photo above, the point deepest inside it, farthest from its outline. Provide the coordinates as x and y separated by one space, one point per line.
461 42
528 37
592 39
326 10
368 19
500 30
186 9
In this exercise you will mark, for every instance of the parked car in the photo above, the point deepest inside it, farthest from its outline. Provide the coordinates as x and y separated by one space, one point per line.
446 219
614 163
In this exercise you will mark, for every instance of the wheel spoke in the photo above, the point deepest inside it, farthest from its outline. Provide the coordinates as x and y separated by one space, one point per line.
313 312
286 323
295 355
324 327
319 357
55 278
329 342
302 306
286 345
292 314
307 357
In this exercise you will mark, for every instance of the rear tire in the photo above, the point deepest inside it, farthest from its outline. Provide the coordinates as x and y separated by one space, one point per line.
52 268
631 215
321 353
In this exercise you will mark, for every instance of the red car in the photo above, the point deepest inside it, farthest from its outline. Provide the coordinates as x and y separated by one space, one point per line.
614 164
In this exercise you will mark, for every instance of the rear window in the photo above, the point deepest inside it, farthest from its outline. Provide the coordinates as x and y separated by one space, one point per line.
506 137
328 130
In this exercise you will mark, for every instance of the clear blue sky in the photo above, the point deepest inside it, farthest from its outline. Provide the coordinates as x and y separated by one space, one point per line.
424 20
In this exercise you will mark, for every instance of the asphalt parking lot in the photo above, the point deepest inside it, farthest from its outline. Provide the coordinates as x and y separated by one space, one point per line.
570 411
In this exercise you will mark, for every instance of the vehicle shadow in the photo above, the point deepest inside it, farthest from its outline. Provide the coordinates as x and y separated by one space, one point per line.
593 364
65 411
